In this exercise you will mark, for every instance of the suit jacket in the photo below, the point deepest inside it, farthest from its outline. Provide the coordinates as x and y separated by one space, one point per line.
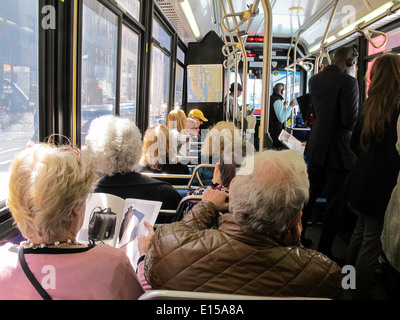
334 96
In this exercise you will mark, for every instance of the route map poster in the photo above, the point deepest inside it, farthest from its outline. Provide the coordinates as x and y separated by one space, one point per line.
205 83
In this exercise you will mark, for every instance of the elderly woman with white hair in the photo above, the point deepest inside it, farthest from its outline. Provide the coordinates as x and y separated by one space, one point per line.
255 249
47 198
116 145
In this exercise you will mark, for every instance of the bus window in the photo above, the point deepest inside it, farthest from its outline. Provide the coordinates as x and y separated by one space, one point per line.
132 6
180 77
160 76
129 71
180 72
99 62
19 81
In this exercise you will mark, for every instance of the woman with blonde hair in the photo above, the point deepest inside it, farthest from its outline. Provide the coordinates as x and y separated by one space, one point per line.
374 175
159 154
47 197
177 120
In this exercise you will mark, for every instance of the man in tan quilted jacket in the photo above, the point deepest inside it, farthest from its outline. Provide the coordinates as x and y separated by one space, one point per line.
255 249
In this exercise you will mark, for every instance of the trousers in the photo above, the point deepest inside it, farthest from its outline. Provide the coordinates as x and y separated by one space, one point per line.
363 253
335 182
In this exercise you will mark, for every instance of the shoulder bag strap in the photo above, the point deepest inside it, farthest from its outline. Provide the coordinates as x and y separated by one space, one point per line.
30 275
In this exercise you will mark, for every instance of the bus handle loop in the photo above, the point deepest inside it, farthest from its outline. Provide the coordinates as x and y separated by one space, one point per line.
369 33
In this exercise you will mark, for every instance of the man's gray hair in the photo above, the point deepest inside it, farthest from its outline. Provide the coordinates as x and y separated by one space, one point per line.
267 199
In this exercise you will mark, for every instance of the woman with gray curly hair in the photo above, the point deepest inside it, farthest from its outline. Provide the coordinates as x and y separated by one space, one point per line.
116 145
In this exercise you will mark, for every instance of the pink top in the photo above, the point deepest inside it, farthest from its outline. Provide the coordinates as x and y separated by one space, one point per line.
97 273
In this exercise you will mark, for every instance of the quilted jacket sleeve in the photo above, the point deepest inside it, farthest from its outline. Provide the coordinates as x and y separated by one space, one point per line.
165 259
202 216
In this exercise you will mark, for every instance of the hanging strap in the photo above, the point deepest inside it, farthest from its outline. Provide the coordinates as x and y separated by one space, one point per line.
30 275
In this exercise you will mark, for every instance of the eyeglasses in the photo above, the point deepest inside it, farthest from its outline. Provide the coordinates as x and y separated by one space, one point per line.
75 152
65 147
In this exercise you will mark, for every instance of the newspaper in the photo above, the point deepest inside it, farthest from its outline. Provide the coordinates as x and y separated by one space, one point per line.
291 142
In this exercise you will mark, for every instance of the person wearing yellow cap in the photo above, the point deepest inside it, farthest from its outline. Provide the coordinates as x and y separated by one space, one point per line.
198 116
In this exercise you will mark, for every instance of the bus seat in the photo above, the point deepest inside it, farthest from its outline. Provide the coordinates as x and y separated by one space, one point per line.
186 204
8 230
198 176
187 295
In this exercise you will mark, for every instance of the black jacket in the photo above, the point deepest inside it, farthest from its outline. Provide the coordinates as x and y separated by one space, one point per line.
375 173
334 96
275 126
138 186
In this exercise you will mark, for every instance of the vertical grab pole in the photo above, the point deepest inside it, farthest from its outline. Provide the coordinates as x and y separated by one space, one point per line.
235 90
228 65
240 43
244 86
294 80
287 70
264 126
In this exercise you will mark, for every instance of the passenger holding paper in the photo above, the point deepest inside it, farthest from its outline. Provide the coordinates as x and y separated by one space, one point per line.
279 112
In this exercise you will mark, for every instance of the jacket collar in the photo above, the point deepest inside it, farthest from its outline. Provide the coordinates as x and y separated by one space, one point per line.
278 95
229 225
130 178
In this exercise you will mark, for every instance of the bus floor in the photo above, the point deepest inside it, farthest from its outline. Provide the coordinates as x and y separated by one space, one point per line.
343 236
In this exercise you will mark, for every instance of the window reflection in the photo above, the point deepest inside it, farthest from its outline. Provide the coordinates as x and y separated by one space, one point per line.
129 66
161 35
161 63
19 21
99 62
159 87
179 85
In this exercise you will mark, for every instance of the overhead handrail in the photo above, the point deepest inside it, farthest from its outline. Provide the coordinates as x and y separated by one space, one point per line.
306 65
244 16
324 53
368 33
393 9
323 50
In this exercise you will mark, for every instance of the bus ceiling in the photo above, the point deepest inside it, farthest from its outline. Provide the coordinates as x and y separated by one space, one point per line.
309 21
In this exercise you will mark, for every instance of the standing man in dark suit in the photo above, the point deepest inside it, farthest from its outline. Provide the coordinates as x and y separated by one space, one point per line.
334 95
